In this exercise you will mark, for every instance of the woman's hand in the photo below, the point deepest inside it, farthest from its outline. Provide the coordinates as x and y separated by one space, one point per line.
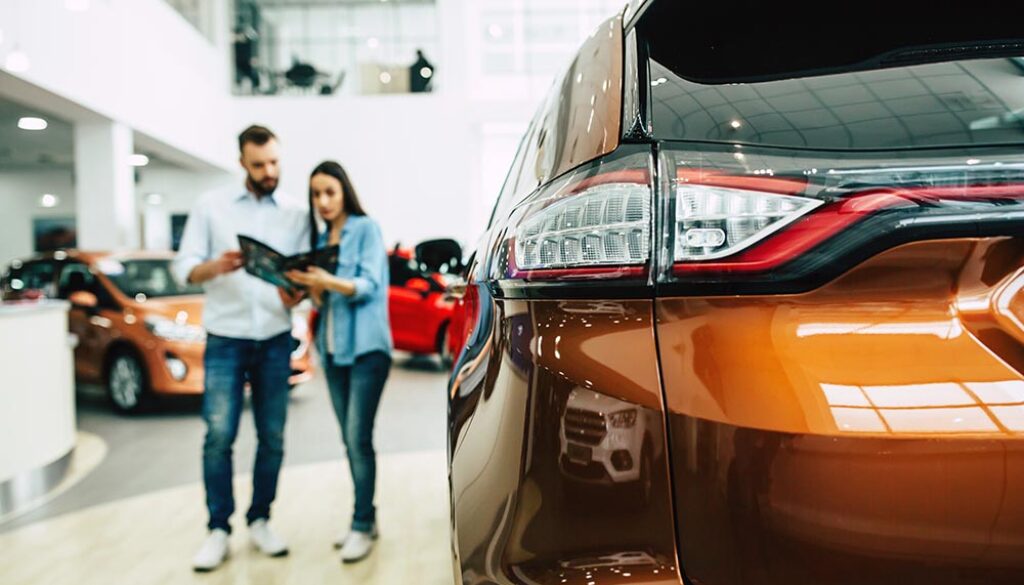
313 277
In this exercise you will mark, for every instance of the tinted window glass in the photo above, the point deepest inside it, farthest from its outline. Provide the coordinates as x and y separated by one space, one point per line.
959 103
33 276
150 277
744 41
401 270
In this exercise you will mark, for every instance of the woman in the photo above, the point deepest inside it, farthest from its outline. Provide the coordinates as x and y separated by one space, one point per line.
353 334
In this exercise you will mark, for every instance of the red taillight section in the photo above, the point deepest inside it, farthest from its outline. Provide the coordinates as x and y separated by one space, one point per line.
830 219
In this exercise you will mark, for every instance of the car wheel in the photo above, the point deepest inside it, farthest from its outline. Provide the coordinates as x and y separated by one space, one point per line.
126 383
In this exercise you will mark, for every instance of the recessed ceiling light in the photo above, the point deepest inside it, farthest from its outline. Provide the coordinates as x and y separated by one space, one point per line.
48 200
154 199
138 160
31 123
385 77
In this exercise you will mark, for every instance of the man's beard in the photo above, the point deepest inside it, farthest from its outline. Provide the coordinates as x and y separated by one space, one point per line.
262 188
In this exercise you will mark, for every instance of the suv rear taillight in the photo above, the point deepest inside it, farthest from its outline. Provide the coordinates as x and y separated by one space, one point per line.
594 223
755 222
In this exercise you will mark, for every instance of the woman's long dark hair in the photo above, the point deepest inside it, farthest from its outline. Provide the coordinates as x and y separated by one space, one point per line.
350 199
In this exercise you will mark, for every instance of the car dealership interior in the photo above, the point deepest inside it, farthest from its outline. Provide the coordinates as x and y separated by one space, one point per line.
116 117
516 292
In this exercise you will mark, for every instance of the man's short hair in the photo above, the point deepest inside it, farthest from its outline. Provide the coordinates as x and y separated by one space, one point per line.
258 135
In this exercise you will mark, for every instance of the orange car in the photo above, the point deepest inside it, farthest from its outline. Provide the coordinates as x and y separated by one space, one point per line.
750 309
139 333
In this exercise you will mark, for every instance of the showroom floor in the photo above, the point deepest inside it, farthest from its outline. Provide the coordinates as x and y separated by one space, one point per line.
136 512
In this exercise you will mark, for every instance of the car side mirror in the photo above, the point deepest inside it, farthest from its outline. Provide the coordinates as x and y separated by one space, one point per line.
84 299
419 285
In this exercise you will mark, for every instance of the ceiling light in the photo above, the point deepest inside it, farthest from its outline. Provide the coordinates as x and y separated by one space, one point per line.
385 77
48 200
31 123
16 62
373 42
138 160
426 73
735 124
76 5
495 31
154 199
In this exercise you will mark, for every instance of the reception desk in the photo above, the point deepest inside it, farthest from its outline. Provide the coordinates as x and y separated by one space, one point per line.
37 400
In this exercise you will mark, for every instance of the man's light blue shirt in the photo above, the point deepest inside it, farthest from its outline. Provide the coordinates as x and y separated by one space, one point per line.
359 324
238 304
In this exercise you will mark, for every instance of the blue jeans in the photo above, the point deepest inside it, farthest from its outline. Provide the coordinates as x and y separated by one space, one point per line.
229 364
355 393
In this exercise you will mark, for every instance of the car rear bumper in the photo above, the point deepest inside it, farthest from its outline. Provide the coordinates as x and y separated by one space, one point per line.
766 507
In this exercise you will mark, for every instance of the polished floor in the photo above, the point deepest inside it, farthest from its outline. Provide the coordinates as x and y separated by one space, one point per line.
138 516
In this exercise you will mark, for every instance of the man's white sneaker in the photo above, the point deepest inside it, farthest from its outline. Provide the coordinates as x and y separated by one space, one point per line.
343 536
265 540
357 546
212 553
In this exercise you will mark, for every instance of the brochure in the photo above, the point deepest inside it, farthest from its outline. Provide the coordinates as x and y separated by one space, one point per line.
268 264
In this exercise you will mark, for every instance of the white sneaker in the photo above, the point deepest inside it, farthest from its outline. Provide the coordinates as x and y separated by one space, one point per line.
212 553
357 546
265 540
343 536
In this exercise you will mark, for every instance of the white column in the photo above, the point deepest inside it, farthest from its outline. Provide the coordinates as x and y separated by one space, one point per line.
106 214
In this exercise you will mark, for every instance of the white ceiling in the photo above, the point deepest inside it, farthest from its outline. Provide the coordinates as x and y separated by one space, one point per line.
25 149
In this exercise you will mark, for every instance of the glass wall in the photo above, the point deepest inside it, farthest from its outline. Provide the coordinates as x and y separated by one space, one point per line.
330 47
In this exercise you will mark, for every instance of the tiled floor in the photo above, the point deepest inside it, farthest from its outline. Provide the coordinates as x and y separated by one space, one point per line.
138 517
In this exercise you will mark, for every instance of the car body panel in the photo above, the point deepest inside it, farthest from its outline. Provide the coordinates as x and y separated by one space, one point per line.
417 315
518 513
864 425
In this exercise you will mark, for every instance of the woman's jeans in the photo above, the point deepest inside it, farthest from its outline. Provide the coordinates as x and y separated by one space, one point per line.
229 364
355 393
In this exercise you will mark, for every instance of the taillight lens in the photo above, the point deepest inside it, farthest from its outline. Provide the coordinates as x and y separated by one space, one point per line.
594 223
603 225
713 222
761 222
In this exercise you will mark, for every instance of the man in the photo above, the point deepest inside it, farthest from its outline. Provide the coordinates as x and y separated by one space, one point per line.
421 73
248 327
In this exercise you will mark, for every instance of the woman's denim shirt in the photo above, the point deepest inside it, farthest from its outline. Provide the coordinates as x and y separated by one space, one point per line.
361 321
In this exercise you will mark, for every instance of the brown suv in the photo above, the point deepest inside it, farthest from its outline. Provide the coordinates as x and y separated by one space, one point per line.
139 332
750 309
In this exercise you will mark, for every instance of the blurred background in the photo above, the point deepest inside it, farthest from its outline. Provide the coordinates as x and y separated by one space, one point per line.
115 117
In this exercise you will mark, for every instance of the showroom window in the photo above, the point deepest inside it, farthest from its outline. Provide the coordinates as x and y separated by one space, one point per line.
303 47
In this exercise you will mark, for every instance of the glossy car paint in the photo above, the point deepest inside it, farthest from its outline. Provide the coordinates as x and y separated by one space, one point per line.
523 511
868 431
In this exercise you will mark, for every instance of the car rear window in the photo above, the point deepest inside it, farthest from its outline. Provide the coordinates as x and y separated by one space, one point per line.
957 103
745 40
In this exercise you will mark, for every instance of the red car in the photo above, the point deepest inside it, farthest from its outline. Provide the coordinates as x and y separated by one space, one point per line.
418 304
